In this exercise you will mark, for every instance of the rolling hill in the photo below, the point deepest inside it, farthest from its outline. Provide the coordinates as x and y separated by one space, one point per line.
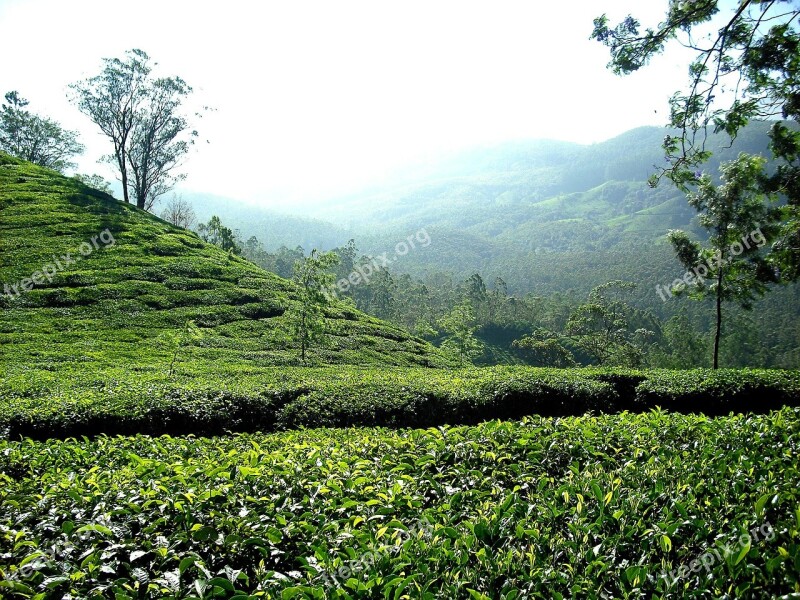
90 282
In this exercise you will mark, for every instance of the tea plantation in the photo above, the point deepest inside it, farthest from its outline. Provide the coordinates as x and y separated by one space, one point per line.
130 468
618 506
111 304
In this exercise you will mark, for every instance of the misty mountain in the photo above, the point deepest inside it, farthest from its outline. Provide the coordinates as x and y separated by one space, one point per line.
518 210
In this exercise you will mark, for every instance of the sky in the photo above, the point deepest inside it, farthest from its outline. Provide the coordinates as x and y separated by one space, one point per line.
313 99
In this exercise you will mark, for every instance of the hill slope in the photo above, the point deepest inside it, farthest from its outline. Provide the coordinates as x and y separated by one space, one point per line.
114 281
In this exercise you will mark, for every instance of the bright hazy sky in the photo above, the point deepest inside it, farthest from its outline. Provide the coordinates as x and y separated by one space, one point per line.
317 98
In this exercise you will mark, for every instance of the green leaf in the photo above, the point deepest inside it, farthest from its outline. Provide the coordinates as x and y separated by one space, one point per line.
186 563
95 527
760 503
16 586
742 553
222 582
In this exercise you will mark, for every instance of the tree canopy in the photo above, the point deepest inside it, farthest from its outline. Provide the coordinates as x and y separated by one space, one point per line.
738 220
746 66
142 117
37 139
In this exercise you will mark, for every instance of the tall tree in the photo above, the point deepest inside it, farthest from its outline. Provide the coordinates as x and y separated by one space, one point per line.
112 100
141 116
478 297
36 139
307 316
460 326
749 68
157 146
731 266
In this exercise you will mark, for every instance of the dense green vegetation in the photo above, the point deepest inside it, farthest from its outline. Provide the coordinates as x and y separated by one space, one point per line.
143 279
208 415
541 224
501 482
680 332
655 505
214 401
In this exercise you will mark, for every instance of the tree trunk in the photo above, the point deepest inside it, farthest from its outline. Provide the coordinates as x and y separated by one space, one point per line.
123 171
719 319
303 336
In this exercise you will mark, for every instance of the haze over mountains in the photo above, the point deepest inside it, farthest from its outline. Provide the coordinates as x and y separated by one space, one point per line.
504 209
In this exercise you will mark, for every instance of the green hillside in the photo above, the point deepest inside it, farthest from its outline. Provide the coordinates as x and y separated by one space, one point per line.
373 508
489 207
114 281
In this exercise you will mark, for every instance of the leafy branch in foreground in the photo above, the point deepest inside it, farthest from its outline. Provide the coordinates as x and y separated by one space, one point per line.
747 68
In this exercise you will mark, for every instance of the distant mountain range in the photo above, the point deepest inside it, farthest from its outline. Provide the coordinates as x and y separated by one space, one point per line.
515 210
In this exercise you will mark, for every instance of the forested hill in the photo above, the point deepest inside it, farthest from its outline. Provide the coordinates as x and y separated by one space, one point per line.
507 189
90 282
516 210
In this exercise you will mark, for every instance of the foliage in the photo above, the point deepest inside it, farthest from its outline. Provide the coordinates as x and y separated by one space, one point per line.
602 327
214 399
748 69
36 139
112 101
159 141
306 318
95 181
459 327
141 115
609 506
542 348
683 347
732 266
213 232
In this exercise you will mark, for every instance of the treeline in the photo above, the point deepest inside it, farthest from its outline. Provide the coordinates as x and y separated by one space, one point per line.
478 320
